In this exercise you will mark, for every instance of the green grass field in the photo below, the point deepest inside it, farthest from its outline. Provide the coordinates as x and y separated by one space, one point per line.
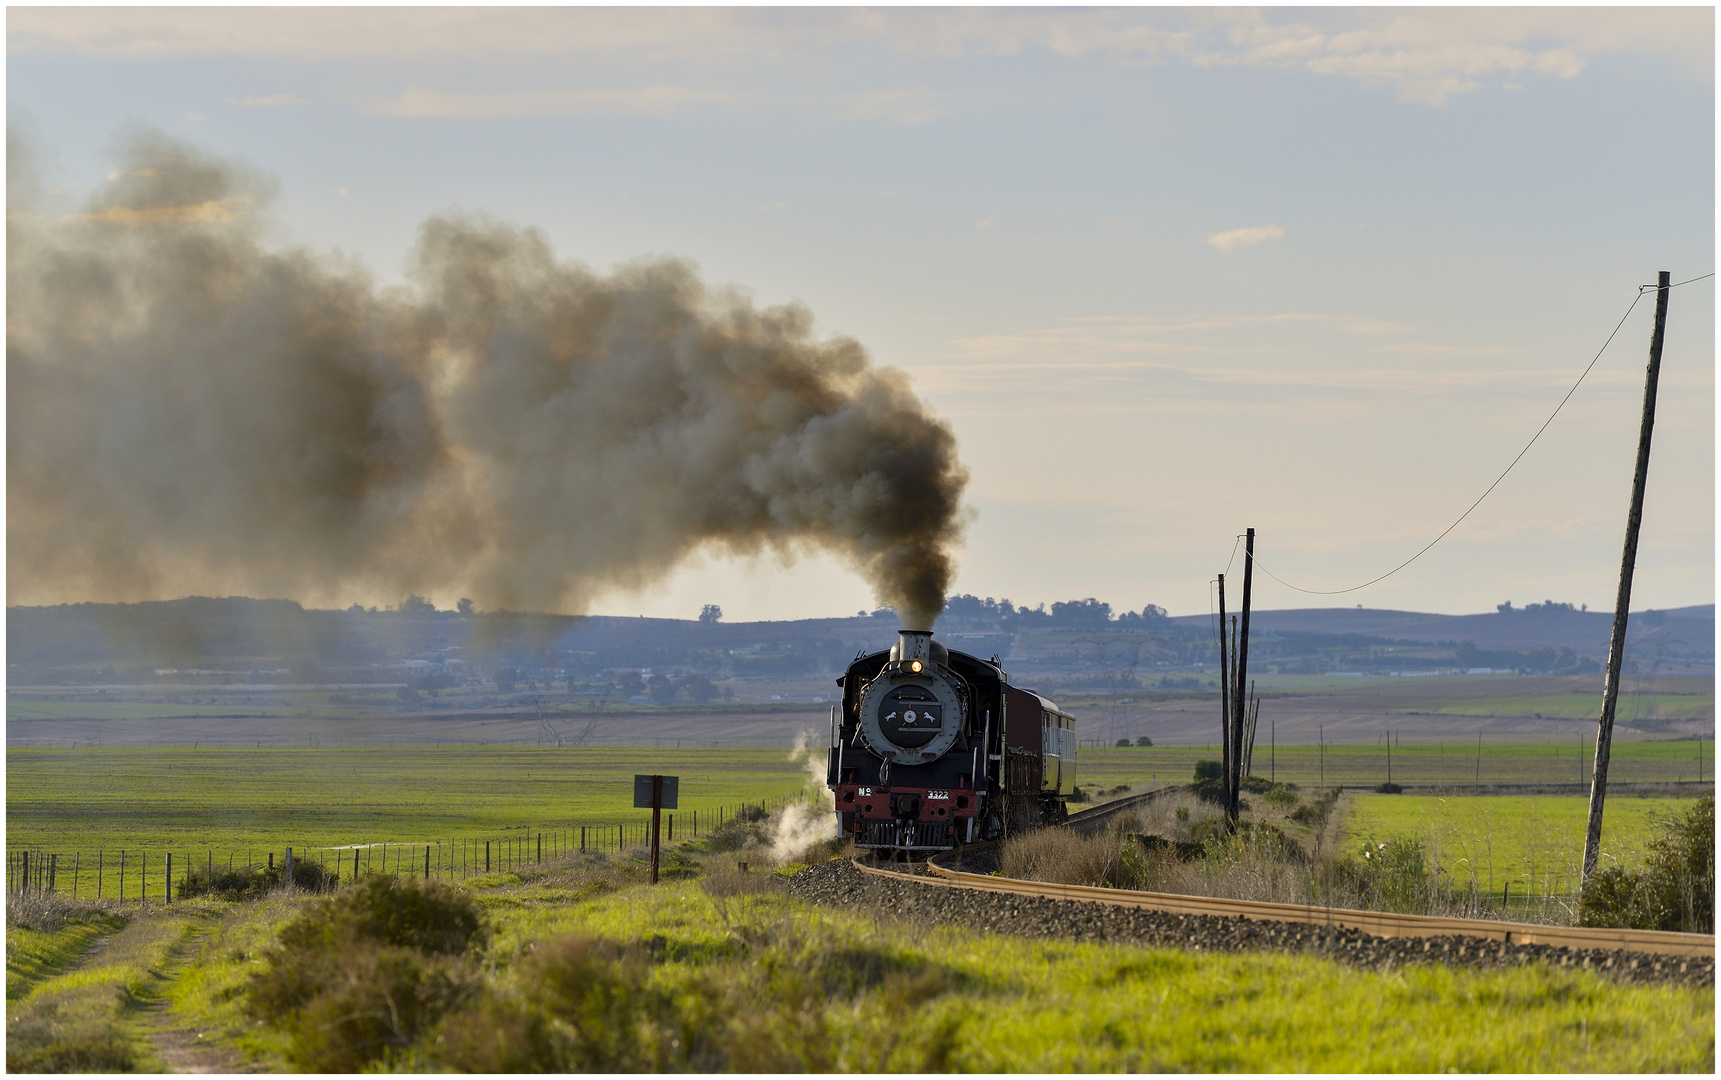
1520 852
226 805
1452 763
988 1003
240 804
1533 842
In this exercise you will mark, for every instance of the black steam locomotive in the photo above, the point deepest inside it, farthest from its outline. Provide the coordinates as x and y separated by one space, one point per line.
932 748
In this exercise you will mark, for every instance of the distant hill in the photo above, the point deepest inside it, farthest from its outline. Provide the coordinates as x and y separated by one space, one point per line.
1078 644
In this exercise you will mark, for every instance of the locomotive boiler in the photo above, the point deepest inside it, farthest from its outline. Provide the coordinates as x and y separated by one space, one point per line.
931 749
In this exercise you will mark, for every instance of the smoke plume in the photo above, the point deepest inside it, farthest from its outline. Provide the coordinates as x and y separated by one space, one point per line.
191 411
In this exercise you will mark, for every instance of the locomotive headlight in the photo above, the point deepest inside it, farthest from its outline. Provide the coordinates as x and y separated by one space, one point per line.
914 666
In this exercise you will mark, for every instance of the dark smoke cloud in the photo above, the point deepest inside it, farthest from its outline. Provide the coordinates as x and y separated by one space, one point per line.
189 411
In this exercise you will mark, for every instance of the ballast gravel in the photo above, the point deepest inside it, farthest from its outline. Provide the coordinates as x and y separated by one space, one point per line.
840 884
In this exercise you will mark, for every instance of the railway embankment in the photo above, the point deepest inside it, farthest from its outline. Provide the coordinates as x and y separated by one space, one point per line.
914 898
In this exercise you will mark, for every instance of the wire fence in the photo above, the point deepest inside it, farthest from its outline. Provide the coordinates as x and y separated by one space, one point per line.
167 873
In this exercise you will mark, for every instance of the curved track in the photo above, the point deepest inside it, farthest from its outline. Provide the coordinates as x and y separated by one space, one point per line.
1377 923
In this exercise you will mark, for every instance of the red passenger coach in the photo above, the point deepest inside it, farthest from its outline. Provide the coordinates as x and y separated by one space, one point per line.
932 748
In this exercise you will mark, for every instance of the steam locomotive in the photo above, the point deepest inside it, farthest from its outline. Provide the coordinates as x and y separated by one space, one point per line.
932 748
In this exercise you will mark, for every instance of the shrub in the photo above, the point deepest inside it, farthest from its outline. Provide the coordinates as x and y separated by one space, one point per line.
1143 740
1390 788
574 1008
356 978
1209 770
1315 814
42 1040
1058 855
1281 796
579 1005
1676 888
252 882
1395 875
749 826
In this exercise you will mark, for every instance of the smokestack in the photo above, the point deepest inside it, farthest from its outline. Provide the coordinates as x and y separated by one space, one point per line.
190 412
912 645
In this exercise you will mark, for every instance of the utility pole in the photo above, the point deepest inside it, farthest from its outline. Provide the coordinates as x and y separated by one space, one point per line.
1224 695
1237 699
1628 565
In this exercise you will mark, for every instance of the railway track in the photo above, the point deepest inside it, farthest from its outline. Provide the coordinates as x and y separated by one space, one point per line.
1377 924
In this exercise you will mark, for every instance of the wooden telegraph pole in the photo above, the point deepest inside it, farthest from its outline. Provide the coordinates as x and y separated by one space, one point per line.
1234 785
1224 695
1622 603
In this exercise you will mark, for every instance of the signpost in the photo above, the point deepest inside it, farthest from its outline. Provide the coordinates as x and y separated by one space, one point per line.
658 793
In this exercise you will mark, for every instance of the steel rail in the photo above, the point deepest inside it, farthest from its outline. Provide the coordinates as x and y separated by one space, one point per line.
1377 923
1095 814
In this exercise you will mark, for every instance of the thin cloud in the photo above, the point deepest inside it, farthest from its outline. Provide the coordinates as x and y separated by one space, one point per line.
1249 236
425 103
273 101
1428 57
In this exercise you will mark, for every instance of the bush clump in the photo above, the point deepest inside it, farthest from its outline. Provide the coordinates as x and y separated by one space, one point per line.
750 825
43 1040
578 1005
1675 890
355 979
252 882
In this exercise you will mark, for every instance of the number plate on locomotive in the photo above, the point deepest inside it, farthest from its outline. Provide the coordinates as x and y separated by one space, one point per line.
938 795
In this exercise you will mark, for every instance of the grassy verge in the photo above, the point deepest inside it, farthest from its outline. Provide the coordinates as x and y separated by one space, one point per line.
714 970
38 948
90 1018
948 999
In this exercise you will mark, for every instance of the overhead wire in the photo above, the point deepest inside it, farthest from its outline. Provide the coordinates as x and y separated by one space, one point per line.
1336 592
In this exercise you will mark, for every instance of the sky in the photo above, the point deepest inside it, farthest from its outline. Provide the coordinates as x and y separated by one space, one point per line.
1167 273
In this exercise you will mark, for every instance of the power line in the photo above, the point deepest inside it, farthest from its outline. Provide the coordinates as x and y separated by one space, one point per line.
1335 592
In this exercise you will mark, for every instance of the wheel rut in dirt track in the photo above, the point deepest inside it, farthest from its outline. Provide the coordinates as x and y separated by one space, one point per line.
182 1049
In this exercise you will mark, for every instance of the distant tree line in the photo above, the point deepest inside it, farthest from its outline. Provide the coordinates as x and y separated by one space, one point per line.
1070 614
